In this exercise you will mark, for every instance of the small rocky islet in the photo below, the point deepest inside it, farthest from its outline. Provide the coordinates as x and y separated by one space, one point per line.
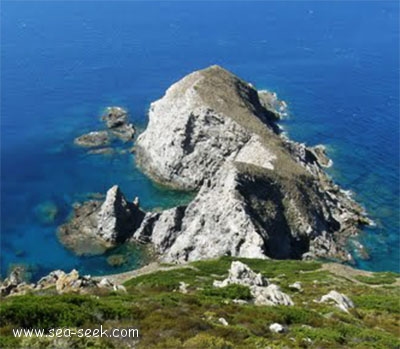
258 194
216 279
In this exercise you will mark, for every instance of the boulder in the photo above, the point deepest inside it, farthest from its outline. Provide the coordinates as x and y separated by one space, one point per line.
339 299
277 328
241 274
296 286
270 295
183 287
222 321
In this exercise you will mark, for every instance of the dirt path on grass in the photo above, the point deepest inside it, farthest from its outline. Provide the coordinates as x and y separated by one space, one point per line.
350 273
148 269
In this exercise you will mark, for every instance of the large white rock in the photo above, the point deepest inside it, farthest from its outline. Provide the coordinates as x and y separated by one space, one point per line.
341 301
270 295
241 274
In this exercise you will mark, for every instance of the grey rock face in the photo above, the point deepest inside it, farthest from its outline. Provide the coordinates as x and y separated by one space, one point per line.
117 219
98 225
259 194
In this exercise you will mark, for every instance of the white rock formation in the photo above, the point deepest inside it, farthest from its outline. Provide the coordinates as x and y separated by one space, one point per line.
270 295
241 274
340 300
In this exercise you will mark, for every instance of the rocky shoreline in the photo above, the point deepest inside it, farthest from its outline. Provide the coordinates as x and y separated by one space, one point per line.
259 194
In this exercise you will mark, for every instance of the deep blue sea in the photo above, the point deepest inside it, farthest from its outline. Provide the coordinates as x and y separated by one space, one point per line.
336 64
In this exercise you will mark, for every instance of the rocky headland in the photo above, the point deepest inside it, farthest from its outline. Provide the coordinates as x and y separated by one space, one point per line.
259 194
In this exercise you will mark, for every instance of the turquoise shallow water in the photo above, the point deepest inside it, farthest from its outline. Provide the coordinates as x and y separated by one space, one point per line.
337 66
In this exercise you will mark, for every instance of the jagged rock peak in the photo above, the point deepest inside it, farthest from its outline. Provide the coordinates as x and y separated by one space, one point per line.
96 225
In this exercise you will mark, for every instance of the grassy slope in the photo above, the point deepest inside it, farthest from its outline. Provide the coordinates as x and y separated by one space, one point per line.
167 318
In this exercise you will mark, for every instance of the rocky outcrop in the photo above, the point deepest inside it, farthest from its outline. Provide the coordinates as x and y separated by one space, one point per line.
13 282
118 127
262 292
270 295
270 101
63 282
259 194
96 226
343 302
241 274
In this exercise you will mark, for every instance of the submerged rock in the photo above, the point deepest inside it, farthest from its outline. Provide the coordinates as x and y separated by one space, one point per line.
96 226
46 212
259 194
93 139
116 260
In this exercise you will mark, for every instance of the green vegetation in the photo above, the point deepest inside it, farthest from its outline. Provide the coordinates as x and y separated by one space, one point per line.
167 318
378 278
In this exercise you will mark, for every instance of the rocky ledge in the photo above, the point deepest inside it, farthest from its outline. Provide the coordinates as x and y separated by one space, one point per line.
259 194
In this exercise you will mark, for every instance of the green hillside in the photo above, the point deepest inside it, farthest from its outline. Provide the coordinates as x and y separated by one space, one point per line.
166 317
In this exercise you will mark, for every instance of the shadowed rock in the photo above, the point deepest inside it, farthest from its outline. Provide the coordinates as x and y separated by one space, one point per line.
96 226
